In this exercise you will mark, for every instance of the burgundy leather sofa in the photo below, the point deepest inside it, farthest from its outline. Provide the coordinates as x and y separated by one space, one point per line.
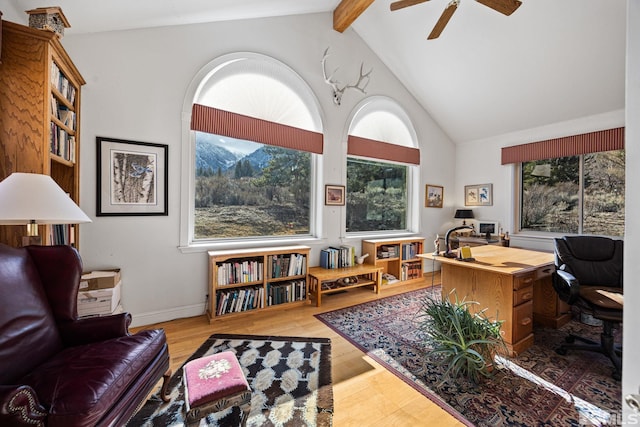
56 369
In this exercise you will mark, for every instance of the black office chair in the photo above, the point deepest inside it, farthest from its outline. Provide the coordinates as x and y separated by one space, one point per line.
589 275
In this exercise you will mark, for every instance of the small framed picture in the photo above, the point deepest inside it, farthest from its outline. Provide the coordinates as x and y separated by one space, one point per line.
478 195
334 195
132 178
434 196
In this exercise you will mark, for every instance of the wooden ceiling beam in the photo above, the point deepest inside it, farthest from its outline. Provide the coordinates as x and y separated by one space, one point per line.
347 12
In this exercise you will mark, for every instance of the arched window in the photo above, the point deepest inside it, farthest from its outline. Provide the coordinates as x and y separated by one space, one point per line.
255 132
382 174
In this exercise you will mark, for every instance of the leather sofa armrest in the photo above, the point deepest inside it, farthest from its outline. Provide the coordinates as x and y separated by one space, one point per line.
93 329
566 285
19 406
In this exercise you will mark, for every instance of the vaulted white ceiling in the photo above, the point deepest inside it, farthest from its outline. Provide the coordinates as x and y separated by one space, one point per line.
486 75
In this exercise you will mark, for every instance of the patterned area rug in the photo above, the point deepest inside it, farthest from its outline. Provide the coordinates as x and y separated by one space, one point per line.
536 388
290 379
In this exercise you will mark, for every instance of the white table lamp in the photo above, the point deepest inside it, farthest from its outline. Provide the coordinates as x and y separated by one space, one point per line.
33 199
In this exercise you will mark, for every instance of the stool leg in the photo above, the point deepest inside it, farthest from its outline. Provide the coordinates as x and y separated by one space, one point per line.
244 414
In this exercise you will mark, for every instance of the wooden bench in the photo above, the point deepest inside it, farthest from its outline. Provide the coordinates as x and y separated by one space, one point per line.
328 280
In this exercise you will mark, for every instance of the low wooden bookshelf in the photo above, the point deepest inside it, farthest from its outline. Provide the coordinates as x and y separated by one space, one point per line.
247 280
397 257
328 280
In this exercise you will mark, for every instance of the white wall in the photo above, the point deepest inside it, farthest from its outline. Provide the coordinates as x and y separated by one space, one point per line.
136 86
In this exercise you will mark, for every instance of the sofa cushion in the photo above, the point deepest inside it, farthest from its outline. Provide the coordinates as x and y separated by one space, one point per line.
80 384
28 332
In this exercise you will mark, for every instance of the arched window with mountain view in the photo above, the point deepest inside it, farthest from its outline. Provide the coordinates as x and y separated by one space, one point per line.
257 135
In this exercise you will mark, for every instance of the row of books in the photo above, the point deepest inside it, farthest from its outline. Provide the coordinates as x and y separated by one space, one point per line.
237 300
411 270
62 113
283 292
286 265
62 143
61 83
233 272
62 234
410 250
332 257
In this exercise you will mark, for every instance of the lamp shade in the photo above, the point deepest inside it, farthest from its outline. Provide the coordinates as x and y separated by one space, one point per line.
34 198
463 214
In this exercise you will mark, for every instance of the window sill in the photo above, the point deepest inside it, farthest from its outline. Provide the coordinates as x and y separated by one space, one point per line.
204 246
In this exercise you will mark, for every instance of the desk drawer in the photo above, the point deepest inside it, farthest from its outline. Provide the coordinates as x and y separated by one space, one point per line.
522 295
522 321
524 280
545 271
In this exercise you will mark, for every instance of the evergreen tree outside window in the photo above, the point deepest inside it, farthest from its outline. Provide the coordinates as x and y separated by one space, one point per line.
577 195
376 196
245 189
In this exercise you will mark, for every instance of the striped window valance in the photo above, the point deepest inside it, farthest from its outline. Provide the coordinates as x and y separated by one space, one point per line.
592 142
234 125
358 146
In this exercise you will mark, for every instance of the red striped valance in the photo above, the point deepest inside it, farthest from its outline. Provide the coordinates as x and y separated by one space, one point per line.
358 146
592 142
220 122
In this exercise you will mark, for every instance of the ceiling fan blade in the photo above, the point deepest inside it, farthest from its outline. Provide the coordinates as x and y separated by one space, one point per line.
400 4
506 7
444 19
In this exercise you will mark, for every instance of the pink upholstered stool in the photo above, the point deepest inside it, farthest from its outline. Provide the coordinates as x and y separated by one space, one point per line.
215 383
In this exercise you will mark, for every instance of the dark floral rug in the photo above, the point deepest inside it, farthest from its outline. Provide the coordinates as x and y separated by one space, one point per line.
290 380
536 388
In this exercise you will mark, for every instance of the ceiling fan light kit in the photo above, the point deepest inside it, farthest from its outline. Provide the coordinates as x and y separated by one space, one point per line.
506 7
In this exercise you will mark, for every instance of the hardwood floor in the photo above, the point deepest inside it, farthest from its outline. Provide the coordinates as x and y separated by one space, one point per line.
365 393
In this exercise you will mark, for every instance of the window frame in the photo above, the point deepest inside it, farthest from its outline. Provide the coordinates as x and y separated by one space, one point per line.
412 221
187 242
387 105
552 234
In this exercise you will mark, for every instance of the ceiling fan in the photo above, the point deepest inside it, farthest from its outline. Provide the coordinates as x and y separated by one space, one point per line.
506 7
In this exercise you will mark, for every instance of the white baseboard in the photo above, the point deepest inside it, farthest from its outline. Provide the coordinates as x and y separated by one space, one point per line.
143 319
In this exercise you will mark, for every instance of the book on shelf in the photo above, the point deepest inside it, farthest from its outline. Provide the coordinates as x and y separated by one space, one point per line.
286 265
284 292
238 300
410 250
62 234
387 251
411 270
233 272
333 257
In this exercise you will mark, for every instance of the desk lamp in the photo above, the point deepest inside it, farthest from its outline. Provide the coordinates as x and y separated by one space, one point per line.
32 199
463 214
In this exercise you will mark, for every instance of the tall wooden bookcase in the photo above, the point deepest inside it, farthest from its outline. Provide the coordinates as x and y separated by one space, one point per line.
248 280
39 115
397 257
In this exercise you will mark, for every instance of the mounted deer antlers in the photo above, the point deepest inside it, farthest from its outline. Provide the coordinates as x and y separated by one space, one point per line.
335 85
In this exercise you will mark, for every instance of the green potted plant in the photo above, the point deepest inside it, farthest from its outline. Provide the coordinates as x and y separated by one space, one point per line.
465 342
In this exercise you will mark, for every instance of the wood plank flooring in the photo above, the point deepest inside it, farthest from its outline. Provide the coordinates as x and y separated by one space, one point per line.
365 393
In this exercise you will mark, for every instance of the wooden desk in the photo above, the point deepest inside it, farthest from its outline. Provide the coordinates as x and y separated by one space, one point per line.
514 285
367 275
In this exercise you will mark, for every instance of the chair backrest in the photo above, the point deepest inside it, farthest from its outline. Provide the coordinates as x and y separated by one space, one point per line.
29 332
593 260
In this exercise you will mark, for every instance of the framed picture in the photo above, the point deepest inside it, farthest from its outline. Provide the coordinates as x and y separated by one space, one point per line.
433 196
132 178
334 195
478 195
